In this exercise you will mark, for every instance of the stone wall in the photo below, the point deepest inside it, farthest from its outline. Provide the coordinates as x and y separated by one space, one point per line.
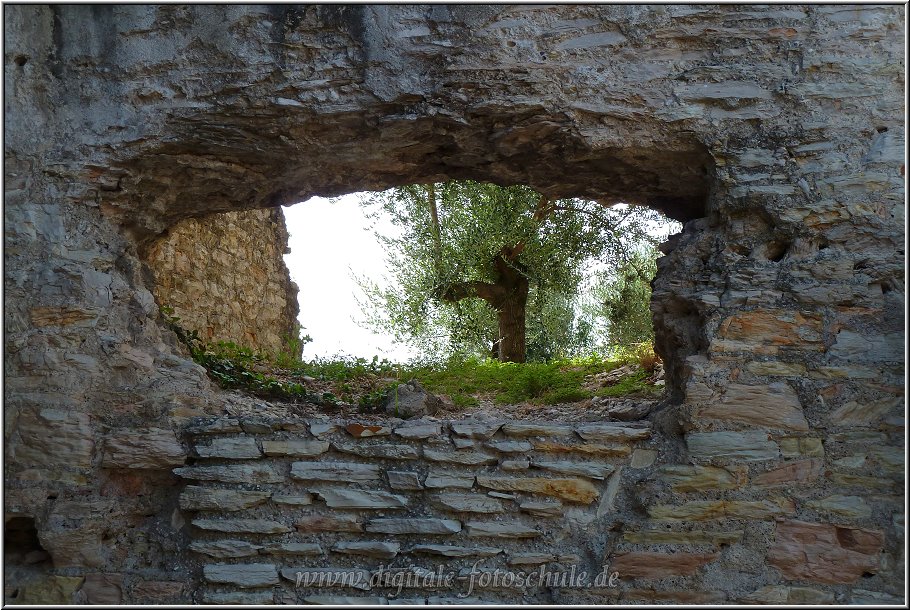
224 276
774 132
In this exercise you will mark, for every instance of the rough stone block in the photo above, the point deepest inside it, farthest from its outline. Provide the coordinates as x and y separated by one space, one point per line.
388 452
225 549
685 479
482 430
328 577
419 431
823 553
302 447
464 458
782 594
438 480
663 536
241 526
753 446
413 526
571 490
466 503
209 498
526 429
155 449
767 406
230 448
799 472
353 498
297 500
235 473
590 470
334 471
404 480
610 450
509 446
542 508
291 548
379 550
499 529
245 576
238 598
702 510
622 433
647 565
328 523
106 589
454 551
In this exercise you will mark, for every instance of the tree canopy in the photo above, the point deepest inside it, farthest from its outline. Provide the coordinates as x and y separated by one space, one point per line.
480 267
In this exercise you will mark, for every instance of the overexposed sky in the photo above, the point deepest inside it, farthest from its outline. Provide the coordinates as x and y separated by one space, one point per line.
330 241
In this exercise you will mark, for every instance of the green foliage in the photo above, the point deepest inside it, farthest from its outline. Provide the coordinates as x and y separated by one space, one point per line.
474 224
624 299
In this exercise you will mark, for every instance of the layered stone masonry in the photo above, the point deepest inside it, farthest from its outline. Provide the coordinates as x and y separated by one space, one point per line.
224 276
273 503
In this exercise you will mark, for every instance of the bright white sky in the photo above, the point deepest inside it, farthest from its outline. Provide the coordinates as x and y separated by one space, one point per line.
329 243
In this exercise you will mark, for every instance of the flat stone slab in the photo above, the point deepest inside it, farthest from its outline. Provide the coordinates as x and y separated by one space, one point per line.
419 431
353 498
233 473
297 500
404 480
496 529
380 550
225 549
230 448
467 503
590 470
238 598
530 559
752 446
209 498
242 526
465 458
388 452
154 449
542 508
445 550
522 429
442 481
334 471
476 429
510 446
221 425
328 523
292 548
303 447
245 576
613 433
572 490
413 526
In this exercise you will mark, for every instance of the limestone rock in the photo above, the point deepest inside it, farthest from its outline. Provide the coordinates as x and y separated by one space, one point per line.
497 529
379 550
453 551
334 471
438 480
509 446
353 498
241 526
404 480
328 523
526 429
388 452
411 400
295 447
572 490
234 473
230 448
754 446
413 526
418 431
482 430
613 432
225 549
823 553
291 548
651 565
466 458
686 479
155 449
590 470
466 503
209 498
245 576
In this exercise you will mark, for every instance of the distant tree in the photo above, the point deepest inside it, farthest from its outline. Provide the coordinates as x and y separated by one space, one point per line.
479 264
624 298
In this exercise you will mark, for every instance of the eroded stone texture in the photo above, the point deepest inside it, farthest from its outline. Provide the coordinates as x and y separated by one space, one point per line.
823 553
648 565
774 132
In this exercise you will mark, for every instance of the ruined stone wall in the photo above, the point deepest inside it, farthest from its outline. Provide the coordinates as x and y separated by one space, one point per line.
224 276
774 132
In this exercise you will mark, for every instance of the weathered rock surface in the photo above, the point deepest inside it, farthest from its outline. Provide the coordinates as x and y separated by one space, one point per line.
413 526
647 565
411 400
823 553
156 449
572 490
295 447
235 473
245 576
231 448
352 498
242 526
207 498
225 549
334 471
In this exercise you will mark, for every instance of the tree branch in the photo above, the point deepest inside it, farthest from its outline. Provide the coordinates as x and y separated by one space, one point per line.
490 293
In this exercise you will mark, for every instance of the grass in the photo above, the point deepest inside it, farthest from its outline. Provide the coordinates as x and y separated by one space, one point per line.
365 382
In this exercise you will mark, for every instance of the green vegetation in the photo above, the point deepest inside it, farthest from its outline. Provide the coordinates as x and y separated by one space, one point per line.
365 382
624 299
483 270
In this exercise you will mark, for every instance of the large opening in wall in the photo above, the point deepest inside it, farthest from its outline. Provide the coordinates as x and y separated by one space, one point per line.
642 166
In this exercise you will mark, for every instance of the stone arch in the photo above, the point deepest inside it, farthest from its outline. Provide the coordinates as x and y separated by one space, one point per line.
782 301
